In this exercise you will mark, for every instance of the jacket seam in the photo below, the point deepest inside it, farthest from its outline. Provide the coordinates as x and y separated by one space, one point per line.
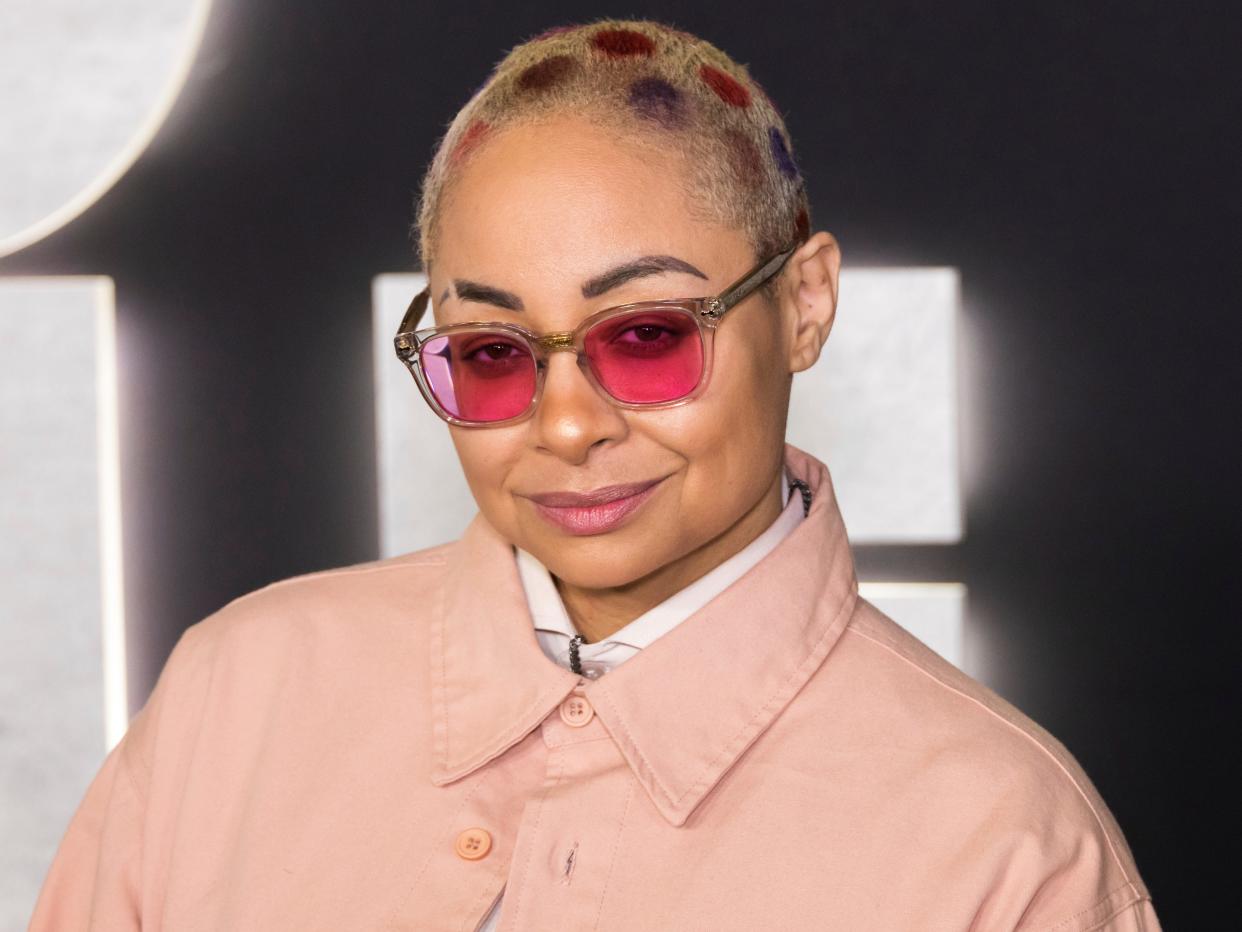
335 572
1027 735
1117 909
579 741
442 710
554 778
612 860
442 732
810 660
507 737
133 780
414 881
153 713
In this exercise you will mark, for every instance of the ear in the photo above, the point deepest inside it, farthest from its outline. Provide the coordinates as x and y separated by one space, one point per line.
808 297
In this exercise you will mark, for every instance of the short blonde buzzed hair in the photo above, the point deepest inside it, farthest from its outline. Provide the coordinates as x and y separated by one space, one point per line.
659 87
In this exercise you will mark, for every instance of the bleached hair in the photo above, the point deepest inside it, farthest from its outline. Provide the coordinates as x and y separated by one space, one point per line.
654 85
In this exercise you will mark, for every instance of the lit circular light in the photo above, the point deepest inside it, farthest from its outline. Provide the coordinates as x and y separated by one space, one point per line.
84 85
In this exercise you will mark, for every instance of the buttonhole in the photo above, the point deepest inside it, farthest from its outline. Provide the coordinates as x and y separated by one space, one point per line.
570 860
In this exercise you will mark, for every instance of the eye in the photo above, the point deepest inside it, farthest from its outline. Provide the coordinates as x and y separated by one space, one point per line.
642 335
644 332
491 349
495 351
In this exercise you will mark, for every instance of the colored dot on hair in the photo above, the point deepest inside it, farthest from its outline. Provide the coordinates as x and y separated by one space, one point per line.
618 43
780 152
658 100
544 74
725 86
802 225
469 140
744 157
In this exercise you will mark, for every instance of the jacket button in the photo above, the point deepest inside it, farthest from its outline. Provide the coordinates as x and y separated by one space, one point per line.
576 711
473 843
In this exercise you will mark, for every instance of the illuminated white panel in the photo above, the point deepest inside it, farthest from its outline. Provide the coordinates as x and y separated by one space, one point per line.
424 500
933 612
84 85
879 408
62 675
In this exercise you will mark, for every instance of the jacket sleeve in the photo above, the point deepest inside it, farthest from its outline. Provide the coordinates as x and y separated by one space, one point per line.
95 879
1094 885
99 875
1138 917
1123 910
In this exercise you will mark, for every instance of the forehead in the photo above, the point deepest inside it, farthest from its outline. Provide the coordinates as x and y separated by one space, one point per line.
565 192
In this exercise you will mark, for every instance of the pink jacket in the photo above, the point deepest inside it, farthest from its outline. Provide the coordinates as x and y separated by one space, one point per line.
385 747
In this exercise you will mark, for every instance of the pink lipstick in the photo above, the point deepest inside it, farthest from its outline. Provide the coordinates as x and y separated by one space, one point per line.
595 512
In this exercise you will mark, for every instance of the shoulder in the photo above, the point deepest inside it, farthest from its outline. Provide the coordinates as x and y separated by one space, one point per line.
999 777
330 634
326 604
330 589
944 701
319 627
330 626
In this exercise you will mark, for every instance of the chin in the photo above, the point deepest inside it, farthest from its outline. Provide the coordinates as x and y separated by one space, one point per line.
598 567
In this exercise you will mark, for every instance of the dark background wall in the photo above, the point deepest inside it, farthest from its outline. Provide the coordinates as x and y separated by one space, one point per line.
1076 161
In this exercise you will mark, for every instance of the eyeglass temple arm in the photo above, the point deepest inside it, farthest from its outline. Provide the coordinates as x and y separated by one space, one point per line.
414 313
748 283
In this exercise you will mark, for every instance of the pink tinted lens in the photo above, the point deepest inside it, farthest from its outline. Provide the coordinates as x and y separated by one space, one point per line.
480 375
647 357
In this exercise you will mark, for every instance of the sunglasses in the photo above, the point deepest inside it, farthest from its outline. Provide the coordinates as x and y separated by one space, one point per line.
647 354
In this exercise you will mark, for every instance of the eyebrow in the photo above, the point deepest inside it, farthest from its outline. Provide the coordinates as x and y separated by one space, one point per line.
486 294
637 268
615 277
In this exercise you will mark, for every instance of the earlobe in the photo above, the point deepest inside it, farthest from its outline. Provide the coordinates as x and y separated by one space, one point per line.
811 297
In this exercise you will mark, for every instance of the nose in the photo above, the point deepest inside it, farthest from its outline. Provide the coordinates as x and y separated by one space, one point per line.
573 418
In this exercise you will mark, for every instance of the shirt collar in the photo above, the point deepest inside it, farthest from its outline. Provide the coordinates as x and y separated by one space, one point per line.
492 685
550 617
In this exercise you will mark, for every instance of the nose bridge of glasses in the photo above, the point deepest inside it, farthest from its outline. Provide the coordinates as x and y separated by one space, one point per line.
556 342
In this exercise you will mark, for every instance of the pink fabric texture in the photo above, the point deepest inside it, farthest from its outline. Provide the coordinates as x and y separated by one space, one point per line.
314 751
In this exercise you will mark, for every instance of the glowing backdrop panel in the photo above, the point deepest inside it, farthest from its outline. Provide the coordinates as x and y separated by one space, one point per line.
59 567
84 85
880 406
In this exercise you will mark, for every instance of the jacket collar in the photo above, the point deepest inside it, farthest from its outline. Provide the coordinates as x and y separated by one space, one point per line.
767 634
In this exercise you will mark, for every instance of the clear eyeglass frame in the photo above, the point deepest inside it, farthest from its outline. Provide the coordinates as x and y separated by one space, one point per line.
706 312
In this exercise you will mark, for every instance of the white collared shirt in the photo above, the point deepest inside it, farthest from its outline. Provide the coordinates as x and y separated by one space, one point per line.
554 629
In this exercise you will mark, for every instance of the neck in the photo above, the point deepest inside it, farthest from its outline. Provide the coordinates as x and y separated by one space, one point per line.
598 613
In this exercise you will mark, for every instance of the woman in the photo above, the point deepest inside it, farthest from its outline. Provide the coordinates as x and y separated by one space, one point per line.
642 691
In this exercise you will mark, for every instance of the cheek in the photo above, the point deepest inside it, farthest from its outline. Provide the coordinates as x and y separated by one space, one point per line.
487 459
732 436
745 401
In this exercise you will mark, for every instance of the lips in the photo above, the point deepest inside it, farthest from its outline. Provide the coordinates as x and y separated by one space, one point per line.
594 512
